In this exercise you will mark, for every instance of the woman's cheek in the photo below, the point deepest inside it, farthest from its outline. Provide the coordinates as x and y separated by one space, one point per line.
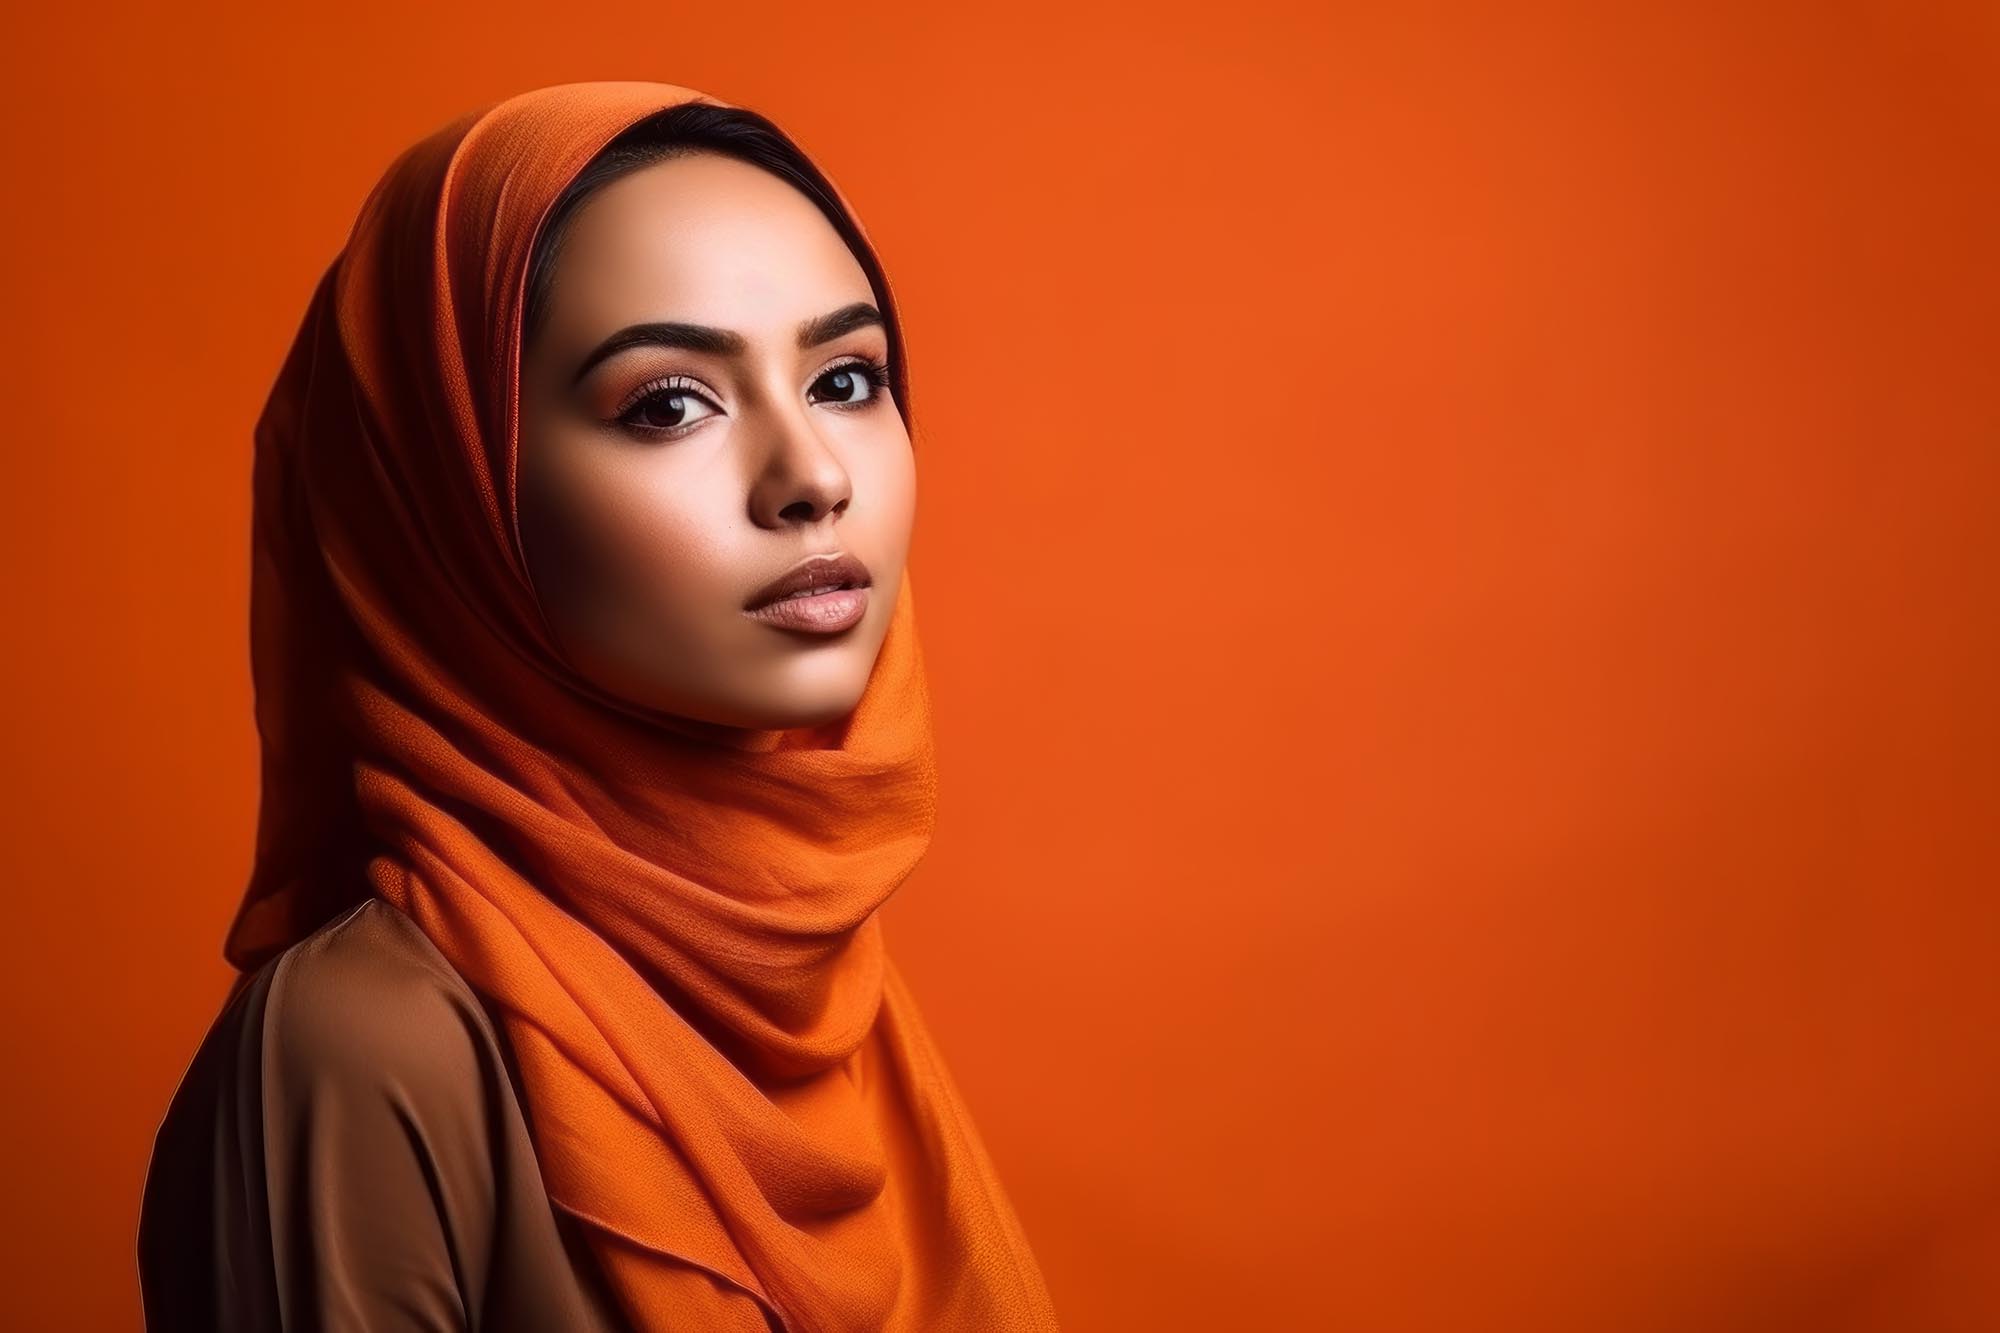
662 550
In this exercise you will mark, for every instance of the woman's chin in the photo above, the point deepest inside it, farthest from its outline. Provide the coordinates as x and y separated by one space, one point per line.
788 710
790 700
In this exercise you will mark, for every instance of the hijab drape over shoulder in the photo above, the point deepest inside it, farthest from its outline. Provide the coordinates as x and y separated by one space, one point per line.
675 922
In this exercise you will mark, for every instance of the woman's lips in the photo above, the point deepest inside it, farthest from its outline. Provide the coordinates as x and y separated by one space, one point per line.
822 594
822 613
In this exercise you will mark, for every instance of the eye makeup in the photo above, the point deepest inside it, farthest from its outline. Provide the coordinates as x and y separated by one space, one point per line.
673 394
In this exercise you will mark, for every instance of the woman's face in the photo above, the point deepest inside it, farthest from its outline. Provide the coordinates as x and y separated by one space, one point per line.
665 482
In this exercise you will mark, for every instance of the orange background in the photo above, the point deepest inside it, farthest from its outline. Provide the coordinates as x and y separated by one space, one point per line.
1461 592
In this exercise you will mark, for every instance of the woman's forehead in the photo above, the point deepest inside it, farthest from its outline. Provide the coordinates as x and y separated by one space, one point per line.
703 238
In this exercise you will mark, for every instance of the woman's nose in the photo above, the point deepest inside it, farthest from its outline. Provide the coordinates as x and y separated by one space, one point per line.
800 478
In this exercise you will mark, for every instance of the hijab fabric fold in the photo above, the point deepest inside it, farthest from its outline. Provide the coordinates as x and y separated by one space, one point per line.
729 1084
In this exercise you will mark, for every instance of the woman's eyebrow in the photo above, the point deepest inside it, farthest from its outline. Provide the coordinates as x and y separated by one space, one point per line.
725 342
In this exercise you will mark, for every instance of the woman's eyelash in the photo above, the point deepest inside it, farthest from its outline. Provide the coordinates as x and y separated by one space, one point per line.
668 387
874 372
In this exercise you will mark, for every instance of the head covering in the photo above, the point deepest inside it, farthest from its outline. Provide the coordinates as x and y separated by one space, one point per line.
675 922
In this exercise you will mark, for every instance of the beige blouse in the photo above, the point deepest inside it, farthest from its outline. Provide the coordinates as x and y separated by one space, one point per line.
348 1151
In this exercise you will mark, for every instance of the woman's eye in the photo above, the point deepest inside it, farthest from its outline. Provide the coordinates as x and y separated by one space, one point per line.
851 384
667 409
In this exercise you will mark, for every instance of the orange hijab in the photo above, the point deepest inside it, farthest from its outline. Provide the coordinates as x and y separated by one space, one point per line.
727 1079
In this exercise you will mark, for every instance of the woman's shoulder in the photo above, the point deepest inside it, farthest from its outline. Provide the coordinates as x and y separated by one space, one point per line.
357 1037
363 1006
367 999
348 1139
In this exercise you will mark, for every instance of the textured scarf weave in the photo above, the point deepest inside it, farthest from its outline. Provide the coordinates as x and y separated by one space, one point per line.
728 1082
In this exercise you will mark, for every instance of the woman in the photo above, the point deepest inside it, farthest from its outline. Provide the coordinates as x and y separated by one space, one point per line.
595 732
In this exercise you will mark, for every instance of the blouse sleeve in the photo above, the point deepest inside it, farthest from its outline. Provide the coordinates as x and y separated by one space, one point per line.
328 1162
